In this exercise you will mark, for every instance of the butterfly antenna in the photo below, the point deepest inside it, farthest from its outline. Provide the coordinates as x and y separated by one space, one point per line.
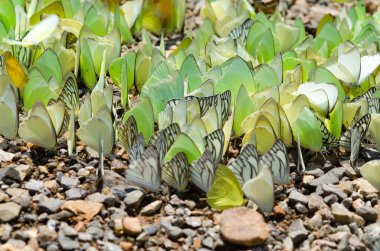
300 163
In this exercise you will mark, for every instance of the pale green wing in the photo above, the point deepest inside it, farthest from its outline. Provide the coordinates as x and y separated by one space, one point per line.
98 125
57 115
127 133
260 189
8 111
358 132
371 172
225 192
38 128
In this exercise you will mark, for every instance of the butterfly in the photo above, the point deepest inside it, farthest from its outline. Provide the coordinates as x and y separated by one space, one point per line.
68 96
225 191
328 139
260 189
175 172
241 32
100 124
371 172
353 137
145 171
245 167
164 139
8 110
214 143
373 102
38 128
202 171
276 159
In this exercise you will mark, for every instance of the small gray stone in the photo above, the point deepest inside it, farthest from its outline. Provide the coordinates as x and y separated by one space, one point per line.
86 237
208 242
317 172
67 231
193 221
344 216
150 229
9 211
67 243
69 182
109 246
30 217
368 213
19 172
297 231
329 189
355 242
344 242
169 209
75 194
301 208
288 244
50 205
134 198
315 202
152 208
331 177
96 197
331 199
297 197
35 185
315 222
175 233
96 232
347 202
5 232
189 232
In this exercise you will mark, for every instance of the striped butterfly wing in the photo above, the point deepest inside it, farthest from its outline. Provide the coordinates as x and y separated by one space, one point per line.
214 143
225 99
164 139
137 149
206 102
241 32
374 106
368 95
277 159
328 139
176 172
21 53
128 133
69 96
145 171
245 167
202 171
358 132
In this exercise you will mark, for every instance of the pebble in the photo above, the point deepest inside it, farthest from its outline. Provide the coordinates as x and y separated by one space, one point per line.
315 202
347 202
69 182
315 222
150 229
133 199
75 194
288 244
331 177
301 208
208 242
297 231
344 216
87 209
67 243
9 211
49 205
19 172
330 189
132 225
243 226
86 237
194 221
330 199
297 197
175 233
368 213
35 185
152 208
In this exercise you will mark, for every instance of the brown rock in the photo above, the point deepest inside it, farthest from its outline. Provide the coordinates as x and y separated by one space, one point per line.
364 187
344 216
152 208
243 226
87 209
132 225
126 246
